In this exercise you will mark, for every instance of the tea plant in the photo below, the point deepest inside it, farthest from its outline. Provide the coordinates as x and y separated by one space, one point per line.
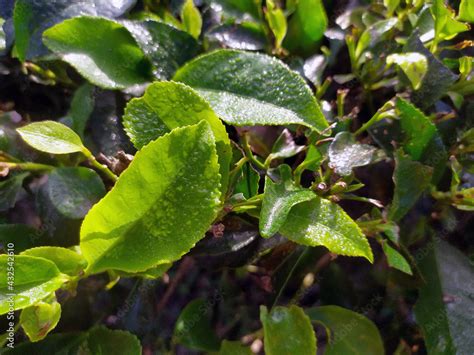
236 176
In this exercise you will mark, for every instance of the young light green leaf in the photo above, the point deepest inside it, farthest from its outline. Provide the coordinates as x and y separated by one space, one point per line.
345 154
411 178
349 332
67 261
466 11
287 330
373 34
252 89
167 105
414 65
446 299
321 222
80 42
163 221
10 190
31 18
35 279
395 259
248 182
38 320
417 128
72 191
446 26
306 26
102 340
166 46
391 6
278 200
193 327
191 18
276 21
51 137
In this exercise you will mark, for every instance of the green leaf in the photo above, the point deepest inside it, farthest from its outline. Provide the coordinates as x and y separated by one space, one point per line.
414 65
276 21
306 26
163 221
51 137
102 340
10 189
417 128
350 333
445 302
80 42
67 261
391 6
38 320
193 327
32 18
411 178
395 259
168 105
345 154
287 330
3 42
466 11
278 200
166 46
252 89
321 222
191 18
234 348
35 279
72 191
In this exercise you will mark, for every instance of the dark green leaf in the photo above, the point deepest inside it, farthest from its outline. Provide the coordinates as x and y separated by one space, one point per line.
287 331
82 105
163 221
278 200
350 333
80 42
61 344
72 191
32 18
21 235
10 189
321 222
252 89
411 178
166 46
193 327
285 146
445 303
248 182
35 279
437 80
345 153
